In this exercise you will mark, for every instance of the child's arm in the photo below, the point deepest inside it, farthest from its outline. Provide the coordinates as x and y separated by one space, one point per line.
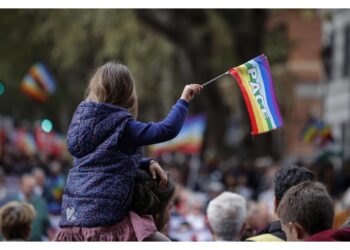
139 133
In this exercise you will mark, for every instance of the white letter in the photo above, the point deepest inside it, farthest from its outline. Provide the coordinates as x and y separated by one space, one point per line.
252 73
255 86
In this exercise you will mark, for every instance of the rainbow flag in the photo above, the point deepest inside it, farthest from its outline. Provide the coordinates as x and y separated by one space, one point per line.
255 82
25 141
43 77
38 83
30 87
316 131
188 141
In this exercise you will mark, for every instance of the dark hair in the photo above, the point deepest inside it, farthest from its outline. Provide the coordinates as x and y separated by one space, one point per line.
149 198
288 177
308 204
16 219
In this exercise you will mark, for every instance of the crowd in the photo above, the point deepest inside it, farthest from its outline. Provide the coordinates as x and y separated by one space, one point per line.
303 208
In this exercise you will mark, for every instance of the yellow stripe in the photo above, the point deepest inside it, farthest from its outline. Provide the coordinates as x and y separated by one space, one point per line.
265 238
259 116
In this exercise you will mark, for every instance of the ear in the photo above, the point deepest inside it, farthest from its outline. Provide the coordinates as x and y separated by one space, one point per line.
299 231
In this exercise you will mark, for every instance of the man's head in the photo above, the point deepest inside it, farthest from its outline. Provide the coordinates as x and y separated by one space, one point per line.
39 175
28 184
304 210
149 198
55 168
289 177
226 214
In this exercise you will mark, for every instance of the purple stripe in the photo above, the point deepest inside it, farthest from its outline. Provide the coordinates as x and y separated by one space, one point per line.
269 88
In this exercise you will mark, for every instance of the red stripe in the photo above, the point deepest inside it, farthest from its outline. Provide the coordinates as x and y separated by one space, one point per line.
235 74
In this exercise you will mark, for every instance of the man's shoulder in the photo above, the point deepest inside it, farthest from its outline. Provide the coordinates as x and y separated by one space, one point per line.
273 229
264 237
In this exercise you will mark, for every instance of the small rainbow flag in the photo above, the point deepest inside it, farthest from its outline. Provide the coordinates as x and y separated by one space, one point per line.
30 87
43 77
38 83
316 131
255 82
188 141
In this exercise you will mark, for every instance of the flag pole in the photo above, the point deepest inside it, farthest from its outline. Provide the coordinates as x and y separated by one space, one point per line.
212 80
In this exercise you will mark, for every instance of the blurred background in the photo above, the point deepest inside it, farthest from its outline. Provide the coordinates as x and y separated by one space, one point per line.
47 57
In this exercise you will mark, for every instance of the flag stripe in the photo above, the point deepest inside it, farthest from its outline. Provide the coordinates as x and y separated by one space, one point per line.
265 71
247 101
270 123
261 125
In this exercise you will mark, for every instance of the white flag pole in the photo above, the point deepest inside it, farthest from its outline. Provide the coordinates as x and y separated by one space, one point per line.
212 80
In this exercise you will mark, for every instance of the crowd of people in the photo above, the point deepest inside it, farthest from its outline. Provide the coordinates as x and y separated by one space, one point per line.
303 209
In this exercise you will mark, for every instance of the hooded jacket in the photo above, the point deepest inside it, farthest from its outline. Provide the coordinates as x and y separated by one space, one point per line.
105 142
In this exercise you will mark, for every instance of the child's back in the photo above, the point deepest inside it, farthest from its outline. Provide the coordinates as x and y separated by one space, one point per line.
99 184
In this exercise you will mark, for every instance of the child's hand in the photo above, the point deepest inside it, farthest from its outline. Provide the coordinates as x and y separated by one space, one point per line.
190 91
155 170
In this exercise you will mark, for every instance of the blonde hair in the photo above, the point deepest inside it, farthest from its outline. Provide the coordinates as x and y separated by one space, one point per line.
16 219
113 83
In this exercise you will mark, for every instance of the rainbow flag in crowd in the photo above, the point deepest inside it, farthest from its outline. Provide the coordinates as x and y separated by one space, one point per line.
316 131
25 141
188 141
38 83
255 82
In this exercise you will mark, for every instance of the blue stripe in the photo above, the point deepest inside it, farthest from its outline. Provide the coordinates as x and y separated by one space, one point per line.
266 81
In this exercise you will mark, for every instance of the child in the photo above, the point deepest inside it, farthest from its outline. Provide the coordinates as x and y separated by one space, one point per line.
105 140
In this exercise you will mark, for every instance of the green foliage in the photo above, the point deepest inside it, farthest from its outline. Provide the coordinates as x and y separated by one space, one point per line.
73 43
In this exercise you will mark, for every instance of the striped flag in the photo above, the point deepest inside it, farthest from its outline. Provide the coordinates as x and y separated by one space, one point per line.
188 141
255 82
39 84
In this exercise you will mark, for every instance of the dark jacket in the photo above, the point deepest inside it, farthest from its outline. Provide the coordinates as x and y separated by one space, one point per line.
102 176
106 144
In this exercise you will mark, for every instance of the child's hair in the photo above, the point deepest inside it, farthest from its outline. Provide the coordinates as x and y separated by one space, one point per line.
113 83
16 219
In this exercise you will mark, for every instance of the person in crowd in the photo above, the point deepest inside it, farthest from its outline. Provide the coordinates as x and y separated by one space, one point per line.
41 223
41 188
285 178
55 183
3 189
305 210
258 216
344 213
16 220
105 140
150 199
150 202
226 215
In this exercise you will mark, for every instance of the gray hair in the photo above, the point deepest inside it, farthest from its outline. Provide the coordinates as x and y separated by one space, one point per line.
226 215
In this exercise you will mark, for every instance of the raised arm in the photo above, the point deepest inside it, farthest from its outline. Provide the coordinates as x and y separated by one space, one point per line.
139 133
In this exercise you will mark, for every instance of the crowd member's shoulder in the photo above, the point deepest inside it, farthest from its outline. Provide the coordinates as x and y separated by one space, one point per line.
341 234
264 237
